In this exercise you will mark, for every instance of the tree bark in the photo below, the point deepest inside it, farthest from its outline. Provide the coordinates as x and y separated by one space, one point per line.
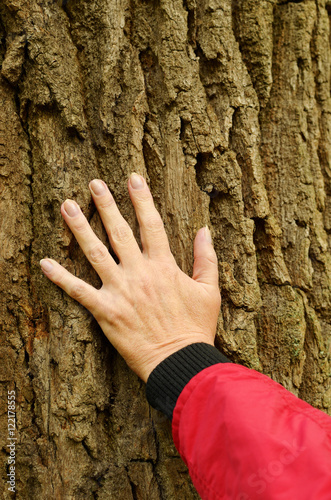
224 106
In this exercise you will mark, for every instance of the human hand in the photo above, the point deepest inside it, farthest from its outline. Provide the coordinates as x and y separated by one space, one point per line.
147 307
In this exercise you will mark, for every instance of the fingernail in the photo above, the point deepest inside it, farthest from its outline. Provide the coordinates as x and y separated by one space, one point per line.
71 208
136 181
207 234
46 265
97 186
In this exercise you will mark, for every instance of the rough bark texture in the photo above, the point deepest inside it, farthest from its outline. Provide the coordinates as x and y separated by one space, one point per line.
225 107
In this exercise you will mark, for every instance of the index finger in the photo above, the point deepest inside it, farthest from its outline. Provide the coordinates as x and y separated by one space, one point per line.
154 239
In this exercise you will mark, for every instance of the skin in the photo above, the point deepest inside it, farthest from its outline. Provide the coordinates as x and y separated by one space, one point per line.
147 307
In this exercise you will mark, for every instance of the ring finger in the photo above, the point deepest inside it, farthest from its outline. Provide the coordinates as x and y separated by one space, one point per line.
96 252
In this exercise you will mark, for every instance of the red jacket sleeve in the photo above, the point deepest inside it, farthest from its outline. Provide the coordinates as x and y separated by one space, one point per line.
244 437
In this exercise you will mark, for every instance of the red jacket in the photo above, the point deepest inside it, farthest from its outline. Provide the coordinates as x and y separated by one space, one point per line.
244 437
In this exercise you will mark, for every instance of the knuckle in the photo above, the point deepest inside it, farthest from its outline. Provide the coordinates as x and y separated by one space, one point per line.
122 233
106 202
119 314
98 254
143 197
78 291
154 224
146 284
58 278
111 311
80 225
211 258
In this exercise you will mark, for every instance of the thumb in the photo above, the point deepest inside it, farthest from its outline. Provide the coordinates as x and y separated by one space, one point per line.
205 267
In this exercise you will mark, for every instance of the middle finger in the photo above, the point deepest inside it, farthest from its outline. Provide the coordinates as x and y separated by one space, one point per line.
119 232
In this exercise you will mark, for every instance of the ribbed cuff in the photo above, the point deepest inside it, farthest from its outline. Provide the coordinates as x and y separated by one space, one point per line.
169 378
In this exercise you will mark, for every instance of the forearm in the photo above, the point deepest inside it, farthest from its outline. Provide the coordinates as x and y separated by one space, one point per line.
241 434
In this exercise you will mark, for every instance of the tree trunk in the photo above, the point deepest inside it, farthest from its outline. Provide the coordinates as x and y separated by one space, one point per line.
225 108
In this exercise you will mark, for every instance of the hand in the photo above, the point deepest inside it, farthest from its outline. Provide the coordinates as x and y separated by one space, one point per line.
147 307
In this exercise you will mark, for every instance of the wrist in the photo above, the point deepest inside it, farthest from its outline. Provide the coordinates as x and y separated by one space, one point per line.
171 375
168 350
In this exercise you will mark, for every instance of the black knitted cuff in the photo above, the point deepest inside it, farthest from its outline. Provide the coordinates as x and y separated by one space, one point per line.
169 378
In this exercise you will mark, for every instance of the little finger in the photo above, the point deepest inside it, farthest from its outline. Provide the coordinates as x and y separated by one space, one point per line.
76 288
